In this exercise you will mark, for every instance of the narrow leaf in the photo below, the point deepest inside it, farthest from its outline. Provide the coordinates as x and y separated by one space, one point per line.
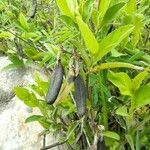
131 6
122 81
28 98
130 141
103 6
122 111
67 7
112 135
112 12
87 10
142 96
6 35
89 38
112 40
110 65
33 118
23 22
137 81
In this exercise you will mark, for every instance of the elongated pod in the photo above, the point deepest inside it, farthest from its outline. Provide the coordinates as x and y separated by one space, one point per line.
101 145
33 8
55 85
80 95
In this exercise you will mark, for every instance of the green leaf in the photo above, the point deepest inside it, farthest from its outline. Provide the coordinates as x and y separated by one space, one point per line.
72 129
45 124
15 60
67 20
137 81
122 81
112 40
80 48
6 35
130 141
103 6
112 12
30 52
112 135
122 111
115 53
89 38
139 25
142 96
67 7
43 85
45 108
33 118
23 22
28 98
86 14
110 65
11 67
131 6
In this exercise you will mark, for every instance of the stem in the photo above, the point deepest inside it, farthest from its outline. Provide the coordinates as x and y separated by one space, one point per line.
44 140
105 111
131 111
137 140
53 145
104 106
111 65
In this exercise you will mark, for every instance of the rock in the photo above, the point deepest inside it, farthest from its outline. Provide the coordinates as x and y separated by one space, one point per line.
14 133
9 79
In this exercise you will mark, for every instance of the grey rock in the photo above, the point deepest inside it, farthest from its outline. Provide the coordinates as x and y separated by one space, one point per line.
14 133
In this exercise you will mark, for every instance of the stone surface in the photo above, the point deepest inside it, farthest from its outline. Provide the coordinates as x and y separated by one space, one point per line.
14 133
9 79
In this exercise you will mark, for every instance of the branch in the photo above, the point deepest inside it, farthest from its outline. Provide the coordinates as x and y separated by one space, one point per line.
53 145
27 42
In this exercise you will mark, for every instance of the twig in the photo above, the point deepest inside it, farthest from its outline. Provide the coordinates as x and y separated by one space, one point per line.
44 140
53 145
27 42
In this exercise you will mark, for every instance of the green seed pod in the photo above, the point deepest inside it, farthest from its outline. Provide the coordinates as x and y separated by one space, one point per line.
80 95
101 144
55 85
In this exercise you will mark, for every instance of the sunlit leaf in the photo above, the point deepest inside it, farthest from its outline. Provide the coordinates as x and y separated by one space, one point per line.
23 22
28 98
112 135
111 65
33 118
137 81
122 111
6 35
122 81
112 12
142 96
131 6
87 10
89 38
67 7
112 40
103 6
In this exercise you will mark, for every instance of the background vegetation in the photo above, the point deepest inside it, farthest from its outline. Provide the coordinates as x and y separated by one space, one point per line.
107 43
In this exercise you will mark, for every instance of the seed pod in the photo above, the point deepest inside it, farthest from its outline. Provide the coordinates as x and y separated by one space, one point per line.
101 144
33 8
55 85
80 95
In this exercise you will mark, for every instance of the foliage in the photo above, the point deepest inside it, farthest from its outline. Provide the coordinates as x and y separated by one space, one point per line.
107 42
